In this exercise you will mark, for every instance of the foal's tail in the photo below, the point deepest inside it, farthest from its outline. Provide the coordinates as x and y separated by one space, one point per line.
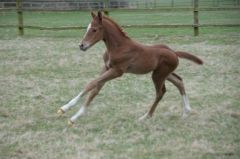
189 56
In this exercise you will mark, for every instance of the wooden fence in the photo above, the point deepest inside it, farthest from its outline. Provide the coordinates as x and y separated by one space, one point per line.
195 24
100 4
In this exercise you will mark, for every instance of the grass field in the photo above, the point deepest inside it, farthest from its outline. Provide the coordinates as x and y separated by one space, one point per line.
44 69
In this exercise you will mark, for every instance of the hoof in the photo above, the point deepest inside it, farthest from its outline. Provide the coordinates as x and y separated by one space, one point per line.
70 123
186 113
60 112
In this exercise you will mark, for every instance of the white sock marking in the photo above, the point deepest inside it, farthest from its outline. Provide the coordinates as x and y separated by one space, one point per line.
187 107
78 114
72 102
145 116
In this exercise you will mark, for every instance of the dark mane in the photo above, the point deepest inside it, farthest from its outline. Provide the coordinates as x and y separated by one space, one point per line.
118 27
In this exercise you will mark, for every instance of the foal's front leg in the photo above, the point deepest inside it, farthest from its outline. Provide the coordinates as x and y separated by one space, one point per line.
74 101
106 76
70 104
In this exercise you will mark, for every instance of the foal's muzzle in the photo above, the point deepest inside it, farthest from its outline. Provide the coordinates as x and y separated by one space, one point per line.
82 47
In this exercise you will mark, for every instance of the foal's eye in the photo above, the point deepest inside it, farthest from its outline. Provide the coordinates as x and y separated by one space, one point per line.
94 30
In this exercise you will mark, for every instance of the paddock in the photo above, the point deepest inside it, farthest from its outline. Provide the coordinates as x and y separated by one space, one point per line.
42 70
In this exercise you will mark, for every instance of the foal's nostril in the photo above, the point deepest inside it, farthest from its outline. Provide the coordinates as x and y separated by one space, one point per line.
81 46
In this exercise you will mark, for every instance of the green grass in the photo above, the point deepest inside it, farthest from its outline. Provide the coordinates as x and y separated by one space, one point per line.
51 19
42 70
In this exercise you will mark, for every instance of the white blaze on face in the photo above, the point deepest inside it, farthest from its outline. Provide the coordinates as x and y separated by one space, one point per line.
86 43
89 26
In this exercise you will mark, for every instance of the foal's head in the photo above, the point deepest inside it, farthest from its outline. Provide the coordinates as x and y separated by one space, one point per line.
94 32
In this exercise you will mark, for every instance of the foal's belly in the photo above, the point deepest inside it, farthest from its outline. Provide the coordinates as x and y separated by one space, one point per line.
137 71
140 67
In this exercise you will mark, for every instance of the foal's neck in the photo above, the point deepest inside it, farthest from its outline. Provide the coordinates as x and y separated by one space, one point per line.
113 37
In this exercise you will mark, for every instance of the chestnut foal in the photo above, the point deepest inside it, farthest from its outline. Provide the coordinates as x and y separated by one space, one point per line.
123 55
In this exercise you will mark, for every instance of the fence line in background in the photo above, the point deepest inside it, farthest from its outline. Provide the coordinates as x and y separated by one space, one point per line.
101 4
130 9
195 25
124 26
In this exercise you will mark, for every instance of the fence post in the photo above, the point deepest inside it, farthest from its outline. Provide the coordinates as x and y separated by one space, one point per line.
106 7
20 17
172 3
155 4
195 16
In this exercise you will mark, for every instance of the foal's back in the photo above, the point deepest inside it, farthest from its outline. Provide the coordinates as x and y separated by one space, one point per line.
148 58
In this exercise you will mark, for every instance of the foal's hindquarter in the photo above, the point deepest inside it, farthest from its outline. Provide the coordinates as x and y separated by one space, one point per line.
124 55
162 62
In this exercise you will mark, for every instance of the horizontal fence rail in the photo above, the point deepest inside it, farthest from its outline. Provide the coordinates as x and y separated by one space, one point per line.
128 9
100 4
124 26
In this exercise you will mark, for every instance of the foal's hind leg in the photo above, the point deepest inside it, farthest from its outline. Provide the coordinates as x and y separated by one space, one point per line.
177 81
158 80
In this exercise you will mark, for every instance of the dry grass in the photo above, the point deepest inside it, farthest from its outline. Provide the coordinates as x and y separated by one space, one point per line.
38 75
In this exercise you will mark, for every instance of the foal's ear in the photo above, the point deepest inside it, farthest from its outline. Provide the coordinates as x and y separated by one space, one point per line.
93 15
100 17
